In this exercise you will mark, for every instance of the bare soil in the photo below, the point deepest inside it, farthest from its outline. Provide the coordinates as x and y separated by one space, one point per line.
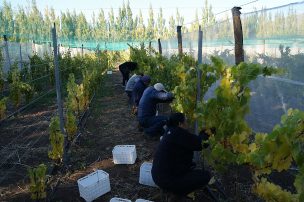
24 142
110 123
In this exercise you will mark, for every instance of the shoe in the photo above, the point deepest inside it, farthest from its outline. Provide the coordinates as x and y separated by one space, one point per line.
151 137
140 128
191 196
212 181
134 111
176 198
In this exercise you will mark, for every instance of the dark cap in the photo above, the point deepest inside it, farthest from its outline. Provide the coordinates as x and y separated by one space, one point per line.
146 79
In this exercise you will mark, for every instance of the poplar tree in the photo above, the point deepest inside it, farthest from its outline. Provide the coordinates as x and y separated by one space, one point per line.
112 31
195 24
208 17
172 27
82 28
150 27
129 23
160 24
7 22
101 27
35 22
141 28
21 23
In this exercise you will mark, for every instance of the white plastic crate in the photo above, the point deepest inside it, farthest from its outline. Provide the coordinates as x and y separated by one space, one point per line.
94 185
119 200
145 176
109 72
142 200
124 154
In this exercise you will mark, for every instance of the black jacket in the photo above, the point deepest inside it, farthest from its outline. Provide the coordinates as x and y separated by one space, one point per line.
174 154
128 66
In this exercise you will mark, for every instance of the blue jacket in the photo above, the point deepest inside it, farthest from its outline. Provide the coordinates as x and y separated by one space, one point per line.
131 82
150 98
138 90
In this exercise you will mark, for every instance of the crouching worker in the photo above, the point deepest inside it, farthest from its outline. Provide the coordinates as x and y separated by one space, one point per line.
125 69
152 124
173 169
138 91
130 85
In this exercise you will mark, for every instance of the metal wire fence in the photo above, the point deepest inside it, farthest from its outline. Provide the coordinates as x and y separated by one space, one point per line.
272 37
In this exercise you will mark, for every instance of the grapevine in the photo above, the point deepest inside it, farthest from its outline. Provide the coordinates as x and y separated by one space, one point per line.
226 112
56 140
3 108
37 182
76 100
272 192
277 151
70 126
1 72
19 88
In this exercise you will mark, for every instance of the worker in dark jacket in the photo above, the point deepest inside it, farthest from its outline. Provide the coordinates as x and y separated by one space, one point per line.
139 89
152 124
125 69
172 168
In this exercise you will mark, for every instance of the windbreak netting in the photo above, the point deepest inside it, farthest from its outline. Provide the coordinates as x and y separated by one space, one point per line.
189 43
275 37
18 49
169 47
272 37
218 40
17 53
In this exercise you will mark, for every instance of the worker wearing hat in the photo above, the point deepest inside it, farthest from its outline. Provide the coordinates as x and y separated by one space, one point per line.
152 124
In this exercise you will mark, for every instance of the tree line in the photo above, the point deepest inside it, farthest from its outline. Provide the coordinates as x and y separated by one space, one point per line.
29 23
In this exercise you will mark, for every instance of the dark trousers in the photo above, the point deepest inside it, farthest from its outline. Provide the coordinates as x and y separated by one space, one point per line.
125 75
153 126
129 94
183 185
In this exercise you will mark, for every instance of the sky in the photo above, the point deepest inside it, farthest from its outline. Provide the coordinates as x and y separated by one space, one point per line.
187 8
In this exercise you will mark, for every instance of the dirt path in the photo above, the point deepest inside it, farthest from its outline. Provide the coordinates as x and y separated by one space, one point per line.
109 123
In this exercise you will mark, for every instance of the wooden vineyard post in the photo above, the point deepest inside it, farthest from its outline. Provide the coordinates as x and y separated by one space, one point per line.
58 92
238 35
160 47
264 48
150 47
82 50
58 50
20 57
7 57
198 86
199 58
179 40
98 53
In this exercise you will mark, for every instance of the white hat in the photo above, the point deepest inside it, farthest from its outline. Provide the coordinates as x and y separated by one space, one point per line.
159 87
